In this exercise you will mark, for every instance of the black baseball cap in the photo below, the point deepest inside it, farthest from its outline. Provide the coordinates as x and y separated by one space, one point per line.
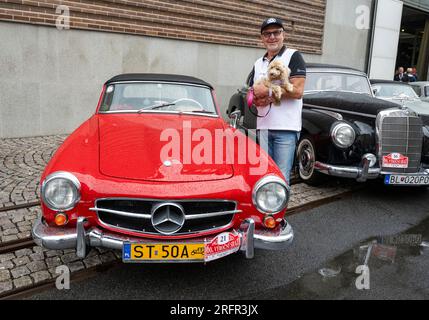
270 21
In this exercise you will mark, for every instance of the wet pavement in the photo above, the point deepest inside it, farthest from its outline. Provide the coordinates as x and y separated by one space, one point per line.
398 269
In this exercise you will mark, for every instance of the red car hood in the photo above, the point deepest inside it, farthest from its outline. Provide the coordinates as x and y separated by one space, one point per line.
130 148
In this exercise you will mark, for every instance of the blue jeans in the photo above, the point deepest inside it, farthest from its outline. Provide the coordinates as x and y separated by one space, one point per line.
280 145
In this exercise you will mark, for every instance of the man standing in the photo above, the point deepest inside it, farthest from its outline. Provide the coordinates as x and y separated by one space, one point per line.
401 76
279 126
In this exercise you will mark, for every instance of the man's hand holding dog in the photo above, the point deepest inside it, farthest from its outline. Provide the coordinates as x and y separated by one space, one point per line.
262 98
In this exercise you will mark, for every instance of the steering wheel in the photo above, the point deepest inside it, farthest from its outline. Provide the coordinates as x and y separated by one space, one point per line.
190 100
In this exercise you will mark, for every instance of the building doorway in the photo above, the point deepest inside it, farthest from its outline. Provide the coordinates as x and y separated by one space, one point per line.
413 48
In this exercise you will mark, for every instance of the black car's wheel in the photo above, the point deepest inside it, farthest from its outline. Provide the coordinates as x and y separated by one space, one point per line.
306 155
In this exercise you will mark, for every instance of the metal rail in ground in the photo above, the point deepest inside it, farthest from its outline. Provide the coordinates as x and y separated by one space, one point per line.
20 206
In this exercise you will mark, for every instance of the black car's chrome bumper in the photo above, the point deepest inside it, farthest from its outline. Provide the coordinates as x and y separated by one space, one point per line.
361 174
80 239
348 172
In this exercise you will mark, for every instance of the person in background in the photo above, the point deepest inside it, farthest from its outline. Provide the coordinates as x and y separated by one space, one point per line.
411 77
401 75
415 74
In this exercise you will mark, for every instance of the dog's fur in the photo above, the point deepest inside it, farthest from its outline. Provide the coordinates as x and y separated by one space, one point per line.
278 80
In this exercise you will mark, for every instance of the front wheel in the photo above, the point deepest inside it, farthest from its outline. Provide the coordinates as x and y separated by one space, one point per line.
306 155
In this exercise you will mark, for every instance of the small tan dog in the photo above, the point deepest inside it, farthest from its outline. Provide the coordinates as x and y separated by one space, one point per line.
277 80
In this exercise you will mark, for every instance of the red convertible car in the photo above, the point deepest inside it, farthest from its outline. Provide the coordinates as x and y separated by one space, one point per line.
157 173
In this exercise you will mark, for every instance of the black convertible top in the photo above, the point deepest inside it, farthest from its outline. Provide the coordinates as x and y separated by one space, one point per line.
157 77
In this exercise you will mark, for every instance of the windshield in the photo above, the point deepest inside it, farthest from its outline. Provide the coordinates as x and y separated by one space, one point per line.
331 81
386 90
167 97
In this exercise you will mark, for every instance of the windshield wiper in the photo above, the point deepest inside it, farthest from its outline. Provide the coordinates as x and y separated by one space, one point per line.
156 106
201 111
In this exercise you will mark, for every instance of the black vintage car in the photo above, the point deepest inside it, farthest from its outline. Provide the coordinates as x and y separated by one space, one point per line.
347 132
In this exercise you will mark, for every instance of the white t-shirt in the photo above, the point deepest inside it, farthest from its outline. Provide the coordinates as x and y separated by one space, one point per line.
286 116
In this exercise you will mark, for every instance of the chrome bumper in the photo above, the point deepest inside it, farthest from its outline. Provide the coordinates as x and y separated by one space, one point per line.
82 240
359 173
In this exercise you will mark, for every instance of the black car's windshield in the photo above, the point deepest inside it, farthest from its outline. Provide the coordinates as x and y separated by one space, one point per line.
332 81
387 90
146 96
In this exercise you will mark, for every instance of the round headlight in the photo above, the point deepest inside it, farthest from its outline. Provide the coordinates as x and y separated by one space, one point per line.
343 135
270 195
61 191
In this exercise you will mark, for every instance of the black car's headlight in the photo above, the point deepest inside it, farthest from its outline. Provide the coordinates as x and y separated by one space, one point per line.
270 195
343 135
60 191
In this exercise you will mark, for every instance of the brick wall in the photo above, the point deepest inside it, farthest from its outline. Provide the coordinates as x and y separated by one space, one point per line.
232 22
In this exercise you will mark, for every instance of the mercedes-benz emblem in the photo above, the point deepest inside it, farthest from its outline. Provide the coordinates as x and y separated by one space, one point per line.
167 217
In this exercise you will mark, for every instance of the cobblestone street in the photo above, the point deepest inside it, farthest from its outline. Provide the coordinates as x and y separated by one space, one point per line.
23 161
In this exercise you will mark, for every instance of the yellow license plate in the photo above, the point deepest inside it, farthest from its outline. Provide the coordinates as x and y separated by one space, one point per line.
137 252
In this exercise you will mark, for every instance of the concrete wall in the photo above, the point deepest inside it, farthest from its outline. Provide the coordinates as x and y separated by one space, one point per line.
344 43
387 28
50 80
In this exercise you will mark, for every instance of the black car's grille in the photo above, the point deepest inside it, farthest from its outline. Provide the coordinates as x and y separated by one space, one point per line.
223 213
402 135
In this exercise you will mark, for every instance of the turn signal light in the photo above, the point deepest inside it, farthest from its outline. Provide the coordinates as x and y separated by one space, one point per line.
61 219
270 222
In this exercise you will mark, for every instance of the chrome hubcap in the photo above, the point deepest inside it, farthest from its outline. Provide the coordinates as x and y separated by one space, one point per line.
306 159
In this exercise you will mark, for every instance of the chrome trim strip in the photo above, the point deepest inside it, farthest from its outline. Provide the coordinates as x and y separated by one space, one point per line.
336 70
162 81
123 213
211 214
314 107
214 115
333 114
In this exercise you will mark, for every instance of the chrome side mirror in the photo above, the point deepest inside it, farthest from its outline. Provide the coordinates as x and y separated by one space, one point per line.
234 116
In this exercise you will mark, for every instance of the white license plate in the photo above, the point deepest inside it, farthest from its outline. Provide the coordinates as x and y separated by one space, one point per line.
398 179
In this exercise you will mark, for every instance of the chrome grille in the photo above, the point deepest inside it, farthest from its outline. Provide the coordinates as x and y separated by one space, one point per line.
401 133
135 214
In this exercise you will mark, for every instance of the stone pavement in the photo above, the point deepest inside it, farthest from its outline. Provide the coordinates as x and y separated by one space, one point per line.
16 224
22 161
